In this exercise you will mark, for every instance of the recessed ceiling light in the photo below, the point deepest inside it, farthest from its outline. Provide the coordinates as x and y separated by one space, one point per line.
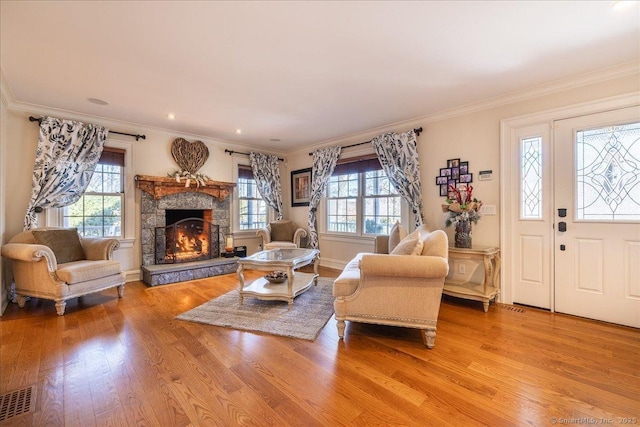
171 116
622 4
97 101
274 140
238 131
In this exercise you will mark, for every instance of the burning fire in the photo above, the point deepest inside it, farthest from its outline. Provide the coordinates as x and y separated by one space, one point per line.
188 246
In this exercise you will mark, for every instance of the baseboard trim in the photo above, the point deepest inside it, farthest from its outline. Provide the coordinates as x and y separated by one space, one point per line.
133 275
332 263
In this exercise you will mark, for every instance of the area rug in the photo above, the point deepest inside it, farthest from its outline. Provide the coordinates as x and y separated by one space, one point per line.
310 313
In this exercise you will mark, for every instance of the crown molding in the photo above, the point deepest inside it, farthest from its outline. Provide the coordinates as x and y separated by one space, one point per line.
124 126
6 95
537 91
602 75
593 77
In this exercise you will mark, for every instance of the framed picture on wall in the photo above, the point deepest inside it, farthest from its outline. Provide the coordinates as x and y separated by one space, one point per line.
441 180
466 178
455 173
464 168
301 187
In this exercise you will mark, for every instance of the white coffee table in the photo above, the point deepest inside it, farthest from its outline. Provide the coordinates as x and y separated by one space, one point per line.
279 259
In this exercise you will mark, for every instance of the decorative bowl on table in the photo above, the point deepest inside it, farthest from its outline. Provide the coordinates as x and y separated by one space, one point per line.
276 277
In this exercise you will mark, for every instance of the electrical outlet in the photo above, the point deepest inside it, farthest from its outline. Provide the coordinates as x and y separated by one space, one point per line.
462 268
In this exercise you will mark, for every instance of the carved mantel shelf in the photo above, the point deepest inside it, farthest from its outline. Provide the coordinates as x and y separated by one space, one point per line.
159 187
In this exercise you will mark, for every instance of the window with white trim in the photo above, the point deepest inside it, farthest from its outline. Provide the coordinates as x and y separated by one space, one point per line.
360 198
252 209
99 211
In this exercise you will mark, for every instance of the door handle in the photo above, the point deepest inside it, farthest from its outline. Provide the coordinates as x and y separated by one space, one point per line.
562 226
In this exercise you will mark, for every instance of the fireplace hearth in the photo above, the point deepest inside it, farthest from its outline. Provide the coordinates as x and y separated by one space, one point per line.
196 235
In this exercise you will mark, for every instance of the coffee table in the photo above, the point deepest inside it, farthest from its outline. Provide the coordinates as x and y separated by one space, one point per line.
279 259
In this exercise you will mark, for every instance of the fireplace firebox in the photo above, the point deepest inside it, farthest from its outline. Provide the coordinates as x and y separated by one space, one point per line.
186 240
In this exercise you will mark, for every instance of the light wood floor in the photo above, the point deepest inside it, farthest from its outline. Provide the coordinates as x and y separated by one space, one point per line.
120 362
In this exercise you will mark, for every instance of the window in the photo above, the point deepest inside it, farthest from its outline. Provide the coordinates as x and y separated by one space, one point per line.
342 203
360 198
99 212
606 179
381 203
531 178
252 209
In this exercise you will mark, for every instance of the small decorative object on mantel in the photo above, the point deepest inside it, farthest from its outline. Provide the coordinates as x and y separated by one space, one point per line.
190 156
460 211
187 176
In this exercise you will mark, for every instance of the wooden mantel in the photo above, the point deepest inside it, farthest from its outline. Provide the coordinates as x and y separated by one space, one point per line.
160 186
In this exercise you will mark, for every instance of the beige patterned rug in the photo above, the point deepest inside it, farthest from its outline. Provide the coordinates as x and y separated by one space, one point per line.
310 313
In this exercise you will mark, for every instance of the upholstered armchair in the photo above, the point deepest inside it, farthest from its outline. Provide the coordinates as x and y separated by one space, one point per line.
399 286
283 234
58 264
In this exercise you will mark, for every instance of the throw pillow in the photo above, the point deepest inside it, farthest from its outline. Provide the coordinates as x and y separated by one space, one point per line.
411 246
282 231
398 232
65 244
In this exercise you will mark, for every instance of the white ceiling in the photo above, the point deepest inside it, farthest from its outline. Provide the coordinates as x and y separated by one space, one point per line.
302 72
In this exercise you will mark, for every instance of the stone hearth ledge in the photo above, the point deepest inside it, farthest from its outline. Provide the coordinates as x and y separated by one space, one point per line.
163 274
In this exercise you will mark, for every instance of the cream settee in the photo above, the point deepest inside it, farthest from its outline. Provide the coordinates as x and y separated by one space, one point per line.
37 272
396 290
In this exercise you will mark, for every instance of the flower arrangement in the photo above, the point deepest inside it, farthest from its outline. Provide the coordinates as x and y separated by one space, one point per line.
198 178
461 206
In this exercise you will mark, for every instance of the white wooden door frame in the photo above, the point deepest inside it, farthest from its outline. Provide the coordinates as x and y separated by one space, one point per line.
509 189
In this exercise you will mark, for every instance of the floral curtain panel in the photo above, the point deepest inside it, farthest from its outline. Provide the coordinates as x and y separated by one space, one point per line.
324 162
398 156
266 172
66 157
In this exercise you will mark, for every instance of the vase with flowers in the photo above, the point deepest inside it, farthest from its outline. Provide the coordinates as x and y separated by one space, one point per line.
461 210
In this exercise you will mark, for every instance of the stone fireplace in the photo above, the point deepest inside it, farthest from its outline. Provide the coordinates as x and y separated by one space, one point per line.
175 223
188 237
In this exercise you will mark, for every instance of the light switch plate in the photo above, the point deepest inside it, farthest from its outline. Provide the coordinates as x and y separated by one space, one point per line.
488 210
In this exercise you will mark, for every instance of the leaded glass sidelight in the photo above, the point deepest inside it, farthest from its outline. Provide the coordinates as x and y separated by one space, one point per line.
531 178
607 173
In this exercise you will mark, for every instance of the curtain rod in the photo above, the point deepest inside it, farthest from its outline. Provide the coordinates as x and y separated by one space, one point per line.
137 137
417 131
231 153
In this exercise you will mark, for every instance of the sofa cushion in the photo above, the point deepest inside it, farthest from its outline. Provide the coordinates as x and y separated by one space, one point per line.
349 279
398 232
407 246
83 271
282 231
65 244
423 233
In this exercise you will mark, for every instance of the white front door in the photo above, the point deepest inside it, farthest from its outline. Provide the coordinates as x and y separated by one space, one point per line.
596 201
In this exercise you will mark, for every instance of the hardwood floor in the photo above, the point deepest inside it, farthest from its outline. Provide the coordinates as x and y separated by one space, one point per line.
120 362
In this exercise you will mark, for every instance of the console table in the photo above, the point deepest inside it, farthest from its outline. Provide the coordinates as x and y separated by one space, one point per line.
486 291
